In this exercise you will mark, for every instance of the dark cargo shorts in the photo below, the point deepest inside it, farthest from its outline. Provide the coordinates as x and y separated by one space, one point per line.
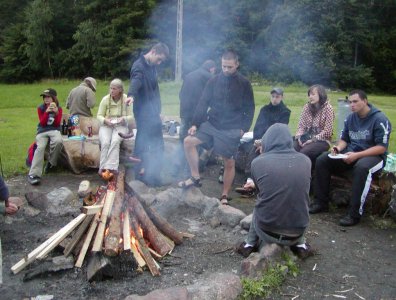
223 142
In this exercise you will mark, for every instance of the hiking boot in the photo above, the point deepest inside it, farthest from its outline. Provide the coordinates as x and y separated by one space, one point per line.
315 208
302 252
33 180
349 221
244 251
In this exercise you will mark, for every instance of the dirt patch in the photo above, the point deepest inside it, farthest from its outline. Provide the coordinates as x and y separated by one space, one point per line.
354 260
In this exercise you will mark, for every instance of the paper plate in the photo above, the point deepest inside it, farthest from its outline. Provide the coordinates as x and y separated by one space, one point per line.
338 156
77 138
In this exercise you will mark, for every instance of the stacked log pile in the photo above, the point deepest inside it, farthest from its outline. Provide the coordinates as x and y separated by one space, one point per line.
117 223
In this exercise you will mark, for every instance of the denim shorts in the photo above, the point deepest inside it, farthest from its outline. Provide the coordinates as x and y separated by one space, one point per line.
224 142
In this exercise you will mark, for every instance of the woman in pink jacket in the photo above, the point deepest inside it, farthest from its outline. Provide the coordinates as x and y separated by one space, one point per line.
315 127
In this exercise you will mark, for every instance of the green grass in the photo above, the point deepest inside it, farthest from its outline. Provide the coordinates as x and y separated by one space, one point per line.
18 115
270 281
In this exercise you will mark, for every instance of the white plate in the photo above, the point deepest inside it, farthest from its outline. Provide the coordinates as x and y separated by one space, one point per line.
338 156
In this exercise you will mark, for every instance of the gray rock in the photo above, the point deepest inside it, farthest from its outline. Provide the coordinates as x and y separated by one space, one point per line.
229 216
210 206
167 202
193 198
245 222
174 293
37 200
257 263
219 286
60 202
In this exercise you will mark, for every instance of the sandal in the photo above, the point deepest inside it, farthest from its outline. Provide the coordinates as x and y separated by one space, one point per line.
192 181
224 199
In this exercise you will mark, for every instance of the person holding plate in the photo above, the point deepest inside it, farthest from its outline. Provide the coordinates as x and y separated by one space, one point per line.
364 142
114 116
315 127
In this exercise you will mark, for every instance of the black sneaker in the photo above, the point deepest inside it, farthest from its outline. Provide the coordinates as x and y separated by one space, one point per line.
33 180
349 221
301 252
244 251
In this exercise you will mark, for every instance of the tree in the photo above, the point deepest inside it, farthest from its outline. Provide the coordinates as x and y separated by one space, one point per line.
39 36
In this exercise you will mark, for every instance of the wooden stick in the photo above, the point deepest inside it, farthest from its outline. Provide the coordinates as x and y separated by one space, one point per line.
87 241
98 242
143 248
126 232
33 254
66 231
150 231
164 226
91 210
89 236
139 259
112 239
77 236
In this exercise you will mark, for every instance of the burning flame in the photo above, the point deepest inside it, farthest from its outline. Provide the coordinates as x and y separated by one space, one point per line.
141 231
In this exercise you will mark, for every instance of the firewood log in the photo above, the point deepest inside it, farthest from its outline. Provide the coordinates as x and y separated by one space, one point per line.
164 226
152 265
108 204
77 236
112 240
150 231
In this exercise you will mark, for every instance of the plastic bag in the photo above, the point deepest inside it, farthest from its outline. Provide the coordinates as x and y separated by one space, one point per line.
390 165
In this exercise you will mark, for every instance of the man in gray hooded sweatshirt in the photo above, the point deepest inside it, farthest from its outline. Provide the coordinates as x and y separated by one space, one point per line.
282 178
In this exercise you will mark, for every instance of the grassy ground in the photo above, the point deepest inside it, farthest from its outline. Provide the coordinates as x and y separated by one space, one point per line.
18 114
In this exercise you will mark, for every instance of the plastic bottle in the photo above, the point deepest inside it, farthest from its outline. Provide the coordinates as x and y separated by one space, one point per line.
64 127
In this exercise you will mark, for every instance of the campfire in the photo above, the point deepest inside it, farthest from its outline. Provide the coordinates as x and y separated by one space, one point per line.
115 223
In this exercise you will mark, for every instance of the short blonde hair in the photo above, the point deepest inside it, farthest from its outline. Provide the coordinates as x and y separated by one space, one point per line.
118 83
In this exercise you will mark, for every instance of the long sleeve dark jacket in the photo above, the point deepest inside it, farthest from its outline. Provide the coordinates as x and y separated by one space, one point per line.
282 177
144 89
227 103
269 115
191 91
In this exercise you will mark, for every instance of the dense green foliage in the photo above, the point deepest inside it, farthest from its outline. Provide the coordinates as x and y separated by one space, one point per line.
270 281
339 43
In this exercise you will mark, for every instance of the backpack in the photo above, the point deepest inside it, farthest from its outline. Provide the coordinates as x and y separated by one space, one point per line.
32 148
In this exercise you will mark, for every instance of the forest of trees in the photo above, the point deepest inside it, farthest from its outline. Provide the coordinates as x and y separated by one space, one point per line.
339 43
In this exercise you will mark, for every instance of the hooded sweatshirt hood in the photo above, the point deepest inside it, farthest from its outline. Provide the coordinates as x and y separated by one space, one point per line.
277 138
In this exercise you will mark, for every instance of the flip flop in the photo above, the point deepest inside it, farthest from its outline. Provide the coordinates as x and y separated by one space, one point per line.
190 182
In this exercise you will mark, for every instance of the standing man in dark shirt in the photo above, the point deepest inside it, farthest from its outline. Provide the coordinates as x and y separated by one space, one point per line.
224 112
144 93
364 142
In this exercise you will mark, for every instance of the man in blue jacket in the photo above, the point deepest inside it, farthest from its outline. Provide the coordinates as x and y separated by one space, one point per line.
364 142
145 95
